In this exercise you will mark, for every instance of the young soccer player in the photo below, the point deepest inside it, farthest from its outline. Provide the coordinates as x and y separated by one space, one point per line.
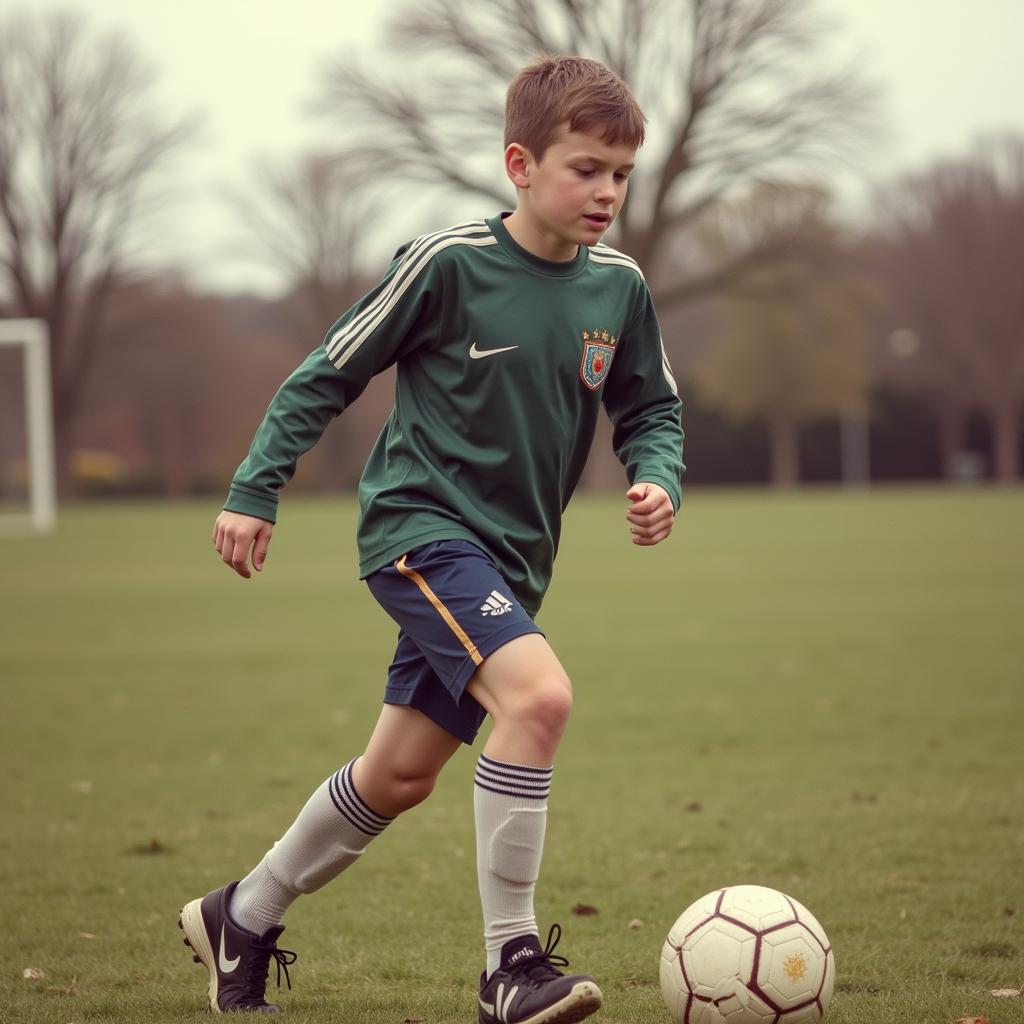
509 334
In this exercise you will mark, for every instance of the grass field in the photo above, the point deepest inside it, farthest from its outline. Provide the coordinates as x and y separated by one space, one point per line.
823 693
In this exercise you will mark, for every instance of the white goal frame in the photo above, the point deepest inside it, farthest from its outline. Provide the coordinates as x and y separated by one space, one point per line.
34 338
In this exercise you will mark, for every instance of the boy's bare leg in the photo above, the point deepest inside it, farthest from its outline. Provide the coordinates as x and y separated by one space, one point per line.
527 693
402 760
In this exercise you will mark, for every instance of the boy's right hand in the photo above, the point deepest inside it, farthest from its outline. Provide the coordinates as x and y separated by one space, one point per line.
233 536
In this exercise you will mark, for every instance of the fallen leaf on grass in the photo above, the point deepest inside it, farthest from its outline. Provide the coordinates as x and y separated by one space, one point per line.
86 935
584 910
694 807
636 923
1006 993
32 974
153 846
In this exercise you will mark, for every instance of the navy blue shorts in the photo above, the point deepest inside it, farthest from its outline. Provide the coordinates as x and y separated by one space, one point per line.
453 608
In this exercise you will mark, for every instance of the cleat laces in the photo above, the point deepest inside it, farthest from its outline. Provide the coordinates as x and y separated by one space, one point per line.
258 969
543 967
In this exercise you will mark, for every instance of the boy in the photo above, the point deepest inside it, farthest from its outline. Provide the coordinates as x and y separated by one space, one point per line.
508 334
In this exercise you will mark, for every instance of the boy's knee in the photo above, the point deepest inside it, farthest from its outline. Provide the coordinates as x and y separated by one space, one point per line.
390 787
544 707
409 788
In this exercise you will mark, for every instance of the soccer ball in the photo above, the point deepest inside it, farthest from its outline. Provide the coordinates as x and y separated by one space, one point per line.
747 955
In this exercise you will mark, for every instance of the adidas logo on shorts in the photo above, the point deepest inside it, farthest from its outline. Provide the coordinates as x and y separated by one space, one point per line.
496 604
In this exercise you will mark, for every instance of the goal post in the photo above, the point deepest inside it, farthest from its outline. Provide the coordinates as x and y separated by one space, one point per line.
34 339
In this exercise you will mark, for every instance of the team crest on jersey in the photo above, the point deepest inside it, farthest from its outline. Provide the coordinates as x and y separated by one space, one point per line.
598 352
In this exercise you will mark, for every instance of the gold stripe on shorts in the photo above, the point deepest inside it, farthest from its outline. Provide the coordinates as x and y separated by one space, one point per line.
440 608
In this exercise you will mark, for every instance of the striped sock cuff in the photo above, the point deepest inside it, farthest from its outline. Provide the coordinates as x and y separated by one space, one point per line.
351 806
513 779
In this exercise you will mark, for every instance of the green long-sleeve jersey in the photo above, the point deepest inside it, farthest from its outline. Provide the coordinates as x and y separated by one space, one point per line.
503 362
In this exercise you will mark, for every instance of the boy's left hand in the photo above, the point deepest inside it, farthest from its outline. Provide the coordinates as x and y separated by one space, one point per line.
651 513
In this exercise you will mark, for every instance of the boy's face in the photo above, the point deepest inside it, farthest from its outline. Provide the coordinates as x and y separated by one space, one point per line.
571 195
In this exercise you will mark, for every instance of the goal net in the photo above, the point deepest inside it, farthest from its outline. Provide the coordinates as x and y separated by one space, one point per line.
28 483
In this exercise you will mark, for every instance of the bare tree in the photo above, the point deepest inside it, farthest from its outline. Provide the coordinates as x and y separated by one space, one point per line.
732 88
951 250
306 221
794 340
80 141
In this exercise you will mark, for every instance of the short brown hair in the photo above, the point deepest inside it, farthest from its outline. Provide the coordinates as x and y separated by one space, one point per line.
582 93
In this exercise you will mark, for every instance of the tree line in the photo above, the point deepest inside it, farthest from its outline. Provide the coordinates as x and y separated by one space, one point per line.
806 346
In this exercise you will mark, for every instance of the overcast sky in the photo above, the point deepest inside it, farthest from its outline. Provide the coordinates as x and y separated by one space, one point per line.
250 67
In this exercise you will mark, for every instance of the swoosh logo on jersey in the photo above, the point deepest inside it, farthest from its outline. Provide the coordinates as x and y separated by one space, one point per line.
226 965
476 353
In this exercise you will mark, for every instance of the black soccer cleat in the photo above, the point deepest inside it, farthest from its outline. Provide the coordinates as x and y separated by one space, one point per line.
529 989
238 960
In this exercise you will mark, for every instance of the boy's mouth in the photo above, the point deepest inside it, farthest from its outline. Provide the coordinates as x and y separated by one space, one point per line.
598 220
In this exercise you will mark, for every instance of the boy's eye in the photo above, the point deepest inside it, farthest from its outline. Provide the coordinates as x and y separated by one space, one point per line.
584 172
621 176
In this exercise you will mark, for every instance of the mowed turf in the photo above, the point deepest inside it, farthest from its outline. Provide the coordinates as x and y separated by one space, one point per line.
823 693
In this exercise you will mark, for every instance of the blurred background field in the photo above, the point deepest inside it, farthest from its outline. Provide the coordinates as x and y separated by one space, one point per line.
819 692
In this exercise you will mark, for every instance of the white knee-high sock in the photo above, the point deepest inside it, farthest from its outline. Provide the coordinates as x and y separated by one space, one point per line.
510 802
329 834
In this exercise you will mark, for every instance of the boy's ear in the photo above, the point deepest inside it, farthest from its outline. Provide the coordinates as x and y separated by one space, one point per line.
517 165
